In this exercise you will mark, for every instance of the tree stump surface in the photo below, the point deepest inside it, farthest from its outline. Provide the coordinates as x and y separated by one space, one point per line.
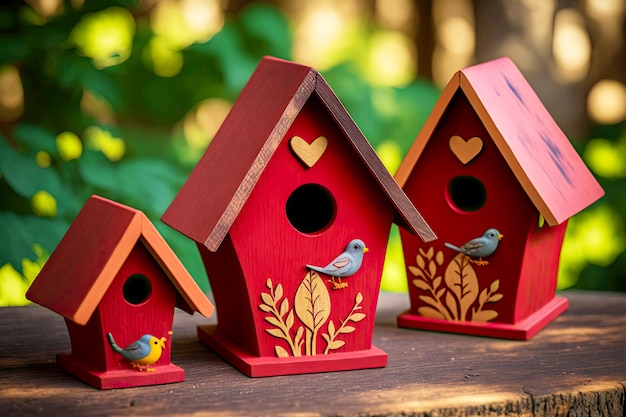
575 366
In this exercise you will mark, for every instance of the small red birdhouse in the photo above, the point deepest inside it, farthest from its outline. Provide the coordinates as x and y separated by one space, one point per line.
490 156
288 181
113 273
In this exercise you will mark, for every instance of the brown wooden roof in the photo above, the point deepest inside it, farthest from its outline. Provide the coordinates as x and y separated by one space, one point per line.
98 242
210 200
542 158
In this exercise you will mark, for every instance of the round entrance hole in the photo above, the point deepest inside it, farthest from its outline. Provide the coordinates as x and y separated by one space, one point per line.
310 208
467 193
137 289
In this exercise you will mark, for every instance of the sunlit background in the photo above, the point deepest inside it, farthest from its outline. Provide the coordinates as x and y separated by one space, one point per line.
121 98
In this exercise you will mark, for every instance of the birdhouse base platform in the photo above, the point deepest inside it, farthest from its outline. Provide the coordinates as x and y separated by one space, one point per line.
255 366
522 330
123 378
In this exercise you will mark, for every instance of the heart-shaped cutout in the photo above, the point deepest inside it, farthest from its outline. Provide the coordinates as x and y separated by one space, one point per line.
309 153
464 150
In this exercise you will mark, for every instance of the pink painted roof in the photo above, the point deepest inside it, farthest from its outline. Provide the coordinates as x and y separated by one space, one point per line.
538 152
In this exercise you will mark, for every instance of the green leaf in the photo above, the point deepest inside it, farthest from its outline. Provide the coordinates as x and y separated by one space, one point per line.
36 138
187 251
25 231
267 24
24 176
14 48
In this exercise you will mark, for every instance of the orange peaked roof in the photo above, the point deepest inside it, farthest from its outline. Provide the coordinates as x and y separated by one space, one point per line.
81 268
543 160
211 199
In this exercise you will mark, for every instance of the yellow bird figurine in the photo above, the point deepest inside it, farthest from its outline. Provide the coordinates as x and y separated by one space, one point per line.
141 353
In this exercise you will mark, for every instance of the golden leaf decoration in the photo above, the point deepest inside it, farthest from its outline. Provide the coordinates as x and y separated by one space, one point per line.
280 352
284 306
312 306
494 298
357 317
429 300
273 321
344 328
267 299
484 315
429 280
461 279
488 295
420 262
439 258
452 305
455 295
416 271
282 326
336 344
436 282
347 329
275 332
421 284
430 312
312 301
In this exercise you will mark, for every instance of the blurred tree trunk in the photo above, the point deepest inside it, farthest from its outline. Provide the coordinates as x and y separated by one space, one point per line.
424 39
524 31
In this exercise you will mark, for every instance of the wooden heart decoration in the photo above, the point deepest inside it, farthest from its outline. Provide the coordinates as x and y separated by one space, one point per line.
464 150
309 153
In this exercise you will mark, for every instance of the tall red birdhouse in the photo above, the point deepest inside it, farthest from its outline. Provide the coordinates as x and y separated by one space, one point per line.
113 273
490 156
287 182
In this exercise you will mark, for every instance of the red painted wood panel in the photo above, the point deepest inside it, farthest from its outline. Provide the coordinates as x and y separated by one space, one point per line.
268 246
68 277
507 208
252 127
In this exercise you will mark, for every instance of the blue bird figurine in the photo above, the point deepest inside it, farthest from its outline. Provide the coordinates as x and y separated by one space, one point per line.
480 247
344 265
141 353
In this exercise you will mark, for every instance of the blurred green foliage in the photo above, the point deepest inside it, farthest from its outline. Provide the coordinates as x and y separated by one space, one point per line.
102 121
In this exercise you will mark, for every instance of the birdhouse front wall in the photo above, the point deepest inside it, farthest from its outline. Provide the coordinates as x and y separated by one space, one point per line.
463 186
305 208
139 301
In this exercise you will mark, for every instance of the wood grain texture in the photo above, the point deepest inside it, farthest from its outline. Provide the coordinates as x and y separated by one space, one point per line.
540 155
525 264
308 153
575 366
223 179
94 248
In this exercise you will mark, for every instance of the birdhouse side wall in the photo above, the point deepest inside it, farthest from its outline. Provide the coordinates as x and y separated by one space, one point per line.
463 186
539 275
231 295
274 250
87 343
139 301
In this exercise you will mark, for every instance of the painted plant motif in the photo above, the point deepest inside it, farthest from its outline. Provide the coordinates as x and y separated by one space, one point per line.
455 295
312 306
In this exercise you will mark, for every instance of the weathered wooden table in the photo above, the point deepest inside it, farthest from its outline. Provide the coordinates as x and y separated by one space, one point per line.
575 366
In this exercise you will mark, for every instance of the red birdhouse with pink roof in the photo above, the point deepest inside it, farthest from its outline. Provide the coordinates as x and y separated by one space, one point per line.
282 206
112 273
490 163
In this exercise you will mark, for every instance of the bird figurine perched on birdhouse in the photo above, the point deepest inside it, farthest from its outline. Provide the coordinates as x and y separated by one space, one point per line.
141 353
344 265
479 247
